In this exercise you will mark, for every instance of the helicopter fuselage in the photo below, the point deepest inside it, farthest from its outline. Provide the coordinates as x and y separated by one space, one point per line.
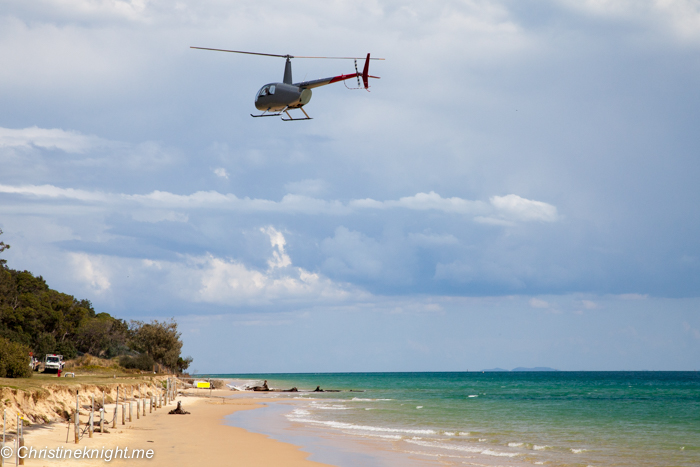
275 97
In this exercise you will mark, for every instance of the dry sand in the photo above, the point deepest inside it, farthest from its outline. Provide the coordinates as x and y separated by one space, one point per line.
200 438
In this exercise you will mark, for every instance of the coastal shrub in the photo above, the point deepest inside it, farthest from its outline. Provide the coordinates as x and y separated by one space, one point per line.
141 362
160 340
14 360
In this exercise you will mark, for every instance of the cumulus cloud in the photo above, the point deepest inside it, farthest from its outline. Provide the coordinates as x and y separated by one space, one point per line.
221 281
210 279
91 270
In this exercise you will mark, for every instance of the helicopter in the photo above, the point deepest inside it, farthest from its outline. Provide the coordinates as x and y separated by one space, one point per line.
273 99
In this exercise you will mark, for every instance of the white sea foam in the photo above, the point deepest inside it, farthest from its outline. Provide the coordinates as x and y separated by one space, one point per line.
374 435
351 426
490 452
433 444
578 451
449 433
456 447
369 400
474 395
419 407
514 445
540 448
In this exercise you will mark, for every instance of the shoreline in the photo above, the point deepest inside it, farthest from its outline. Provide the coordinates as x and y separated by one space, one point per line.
201 436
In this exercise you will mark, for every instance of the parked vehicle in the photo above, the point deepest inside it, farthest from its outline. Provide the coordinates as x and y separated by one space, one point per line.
53 363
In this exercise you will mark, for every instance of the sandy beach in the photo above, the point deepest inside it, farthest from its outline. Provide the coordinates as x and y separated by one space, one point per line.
195 439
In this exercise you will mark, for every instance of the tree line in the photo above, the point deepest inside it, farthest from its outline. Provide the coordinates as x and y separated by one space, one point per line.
36 318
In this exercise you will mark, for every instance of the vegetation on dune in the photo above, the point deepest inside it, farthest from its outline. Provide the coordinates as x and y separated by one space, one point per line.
35 318
14 360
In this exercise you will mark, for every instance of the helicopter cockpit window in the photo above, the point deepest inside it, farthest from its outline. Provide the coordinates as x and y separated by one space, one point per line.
272 89
263 91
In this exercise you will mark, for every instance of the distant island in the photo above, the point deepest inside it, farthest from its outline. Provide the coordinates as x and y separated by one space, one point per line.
520 368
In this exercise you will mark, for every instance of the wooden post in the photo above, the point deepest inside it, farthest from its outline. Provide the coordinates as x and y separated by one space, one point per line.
116 406
123 414
138 409
77 417
160 398
167 390
143 401
4 423
102 420
20 438
92 417
130 411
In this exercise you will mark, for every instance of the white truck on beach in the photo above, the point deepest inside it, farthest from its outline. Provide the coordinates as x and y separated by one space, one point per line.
53 362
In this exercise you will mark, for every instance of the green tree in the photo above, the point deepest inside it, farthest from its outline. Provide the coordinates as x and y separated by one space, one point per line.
14 360
3 247
183 364
159 339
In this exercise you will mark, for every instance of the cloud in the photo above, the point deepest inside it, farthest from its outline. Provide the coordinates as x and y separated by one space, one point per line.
209 279
221 172
220 281
516 208
91 271
508 209
34 137
423 202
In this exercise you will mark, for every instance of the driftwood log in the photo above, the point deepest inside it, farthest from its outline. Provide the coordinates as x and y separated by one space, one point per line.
178 410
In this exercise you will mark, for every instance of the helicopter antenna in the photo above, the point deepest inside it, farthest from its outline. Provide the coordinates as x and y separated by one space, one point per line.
283 56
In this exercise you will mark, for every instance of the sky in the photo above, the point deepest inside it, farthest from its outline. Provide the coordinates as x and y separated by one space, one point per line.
520 188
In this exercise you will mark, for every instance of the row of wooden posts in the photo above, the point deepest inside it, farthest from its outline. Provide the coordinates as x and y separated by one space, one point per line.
155 402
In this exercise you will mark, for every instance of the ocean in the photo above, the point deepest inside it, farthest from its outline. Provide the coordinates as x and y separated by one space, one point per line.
498 418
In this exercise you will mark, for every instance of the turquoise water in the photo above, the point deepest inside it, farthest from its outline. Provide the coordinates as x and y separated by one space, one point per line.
508 418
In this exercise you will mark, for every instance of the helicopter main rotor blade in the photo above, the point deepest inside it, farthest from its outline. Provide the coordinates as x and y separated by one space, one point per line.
283 56
241 52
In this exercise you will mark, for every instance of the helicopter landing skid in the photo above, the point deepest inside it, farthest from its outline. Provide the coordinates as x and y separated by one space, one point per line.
290 119
265 114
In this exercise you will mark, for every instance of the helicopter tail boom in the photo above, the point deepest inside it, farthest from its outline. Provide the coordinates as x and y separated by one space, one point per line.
334 79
